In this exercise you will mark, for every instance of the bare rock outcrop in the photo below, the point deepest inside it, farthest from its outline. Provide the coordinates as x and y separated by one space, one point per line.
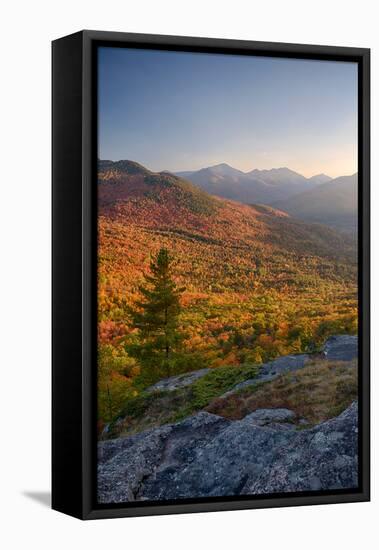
175 382
206 455
342 347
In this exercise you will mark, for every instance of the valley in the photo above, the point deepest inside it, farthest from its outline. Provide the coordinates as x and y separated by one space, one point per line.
257 283
318 199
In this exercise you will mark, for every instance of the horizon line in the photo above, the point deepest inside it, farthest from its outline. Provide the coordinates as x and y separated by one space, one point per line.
176 172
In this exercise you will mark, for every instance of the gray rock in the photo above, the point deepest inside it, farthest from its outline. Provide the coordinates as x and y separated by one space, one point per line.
175 382
124 464
265 417
123 467
206 455
341 348
273 369
324 457
221 467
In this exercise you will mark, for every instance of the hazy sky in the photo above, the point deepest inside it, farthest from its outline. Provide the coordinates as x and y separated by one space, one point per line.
185 111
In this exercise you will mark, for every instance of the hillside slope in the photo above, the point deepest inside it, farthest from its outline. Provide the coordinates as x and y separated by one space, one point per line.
258 283
334 203
256 186
127 191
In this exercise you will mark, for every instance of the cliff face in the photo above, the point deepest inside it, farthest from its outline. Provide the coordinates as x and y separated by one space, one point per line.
269 450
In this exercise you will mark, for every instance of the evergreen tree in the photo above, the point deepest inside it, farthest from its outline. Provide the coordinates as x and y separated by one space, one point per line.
156 316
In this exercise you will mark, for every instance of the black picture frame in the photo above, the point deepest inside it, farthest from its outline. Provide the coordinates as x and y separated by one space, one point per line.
74 152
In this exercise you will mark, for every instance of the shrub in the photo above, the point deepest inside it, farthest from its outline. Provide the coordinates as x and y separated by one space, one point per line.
147 410
317 392
218 381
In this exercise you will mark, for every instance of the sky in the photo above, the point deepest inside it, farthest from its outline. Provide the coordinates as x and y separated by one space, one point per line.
185 111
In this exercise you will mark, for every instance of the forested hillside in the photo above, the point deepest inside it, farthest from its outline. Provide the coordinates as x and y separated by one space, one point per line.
254 282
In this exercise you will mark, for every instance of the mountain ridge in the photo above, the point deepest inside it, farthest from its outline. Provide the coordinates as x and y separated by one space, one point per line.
257 283
182 204
285 169
334 203
319 199
254 186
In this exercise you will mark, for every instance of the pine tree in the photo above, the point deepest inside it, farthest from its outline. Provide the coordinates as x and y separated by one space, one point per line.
156 316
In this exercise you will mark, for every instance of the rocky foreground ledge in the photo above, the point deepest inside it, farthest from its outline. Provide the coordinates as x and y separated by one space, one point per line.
207 455
342 347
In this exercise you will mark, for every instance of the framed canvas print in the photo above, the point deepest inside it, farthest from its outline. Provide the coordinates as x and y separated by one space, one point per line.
210 274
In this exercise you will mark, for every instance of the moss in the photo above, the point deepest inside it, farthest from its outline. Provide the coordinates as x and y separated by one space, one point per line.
149 410
218 381
137 406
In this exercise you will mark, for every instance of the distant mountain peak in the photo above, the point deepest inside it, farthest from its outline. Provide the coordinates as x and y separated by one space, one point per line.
257 186
332 203
222 165
222 168
282 169
280 178
320 178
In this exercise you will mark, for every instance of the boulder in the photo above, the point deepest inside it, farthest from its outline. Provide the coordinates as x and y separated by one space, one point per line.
270 417
273 369
125 464
341 348
179 381
324 457
208 456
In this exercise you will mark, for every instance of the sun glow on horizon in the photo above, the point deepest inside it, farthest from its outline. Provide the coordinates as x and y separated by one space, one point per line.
181 111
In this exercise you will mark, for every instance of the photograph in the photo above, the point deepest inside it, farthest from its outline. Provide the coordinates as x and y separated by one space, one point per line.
227 276
189 264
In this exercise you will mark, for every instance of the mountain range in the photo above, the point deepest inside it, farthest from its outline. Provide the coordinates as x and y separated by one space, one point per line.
334 204
256 186
318 199
259 290
130 192
257 282
233 259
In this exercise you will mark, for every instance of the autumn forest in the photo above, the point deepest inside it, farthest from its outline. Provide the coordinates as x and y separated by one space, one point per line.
188 280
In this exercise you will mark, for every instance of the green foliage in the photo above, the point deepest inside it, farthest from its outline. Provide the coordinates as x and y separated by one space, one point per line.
321 390
135 407
151 409
156 316
115 372
187 361
218 381
258 285
347 324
